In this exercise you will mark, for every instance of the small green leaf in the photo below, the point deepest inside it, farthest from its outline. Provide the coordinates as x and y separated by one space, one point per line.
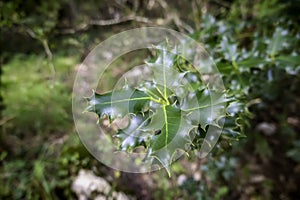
277 42
173 136
294 60
166 78
133 135
229 49
229 129
156 92
251 62
118 103
171 118
204 107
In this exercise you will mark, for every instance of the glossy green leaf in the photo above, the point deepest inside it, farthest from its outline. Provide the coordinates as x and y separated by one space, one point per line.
230 129
251 62
165 74
294 60
156 91
277 42
134 135
204 107
173 134
229 49
171 117
118 103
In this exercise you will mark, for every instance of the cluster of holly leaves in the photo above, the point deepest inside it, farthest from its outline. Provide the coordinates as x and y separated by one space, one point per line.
174 110
170 113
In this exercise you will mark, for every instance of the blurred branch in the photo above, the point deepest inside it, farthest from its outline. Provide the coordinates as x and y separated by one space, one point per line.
108 22
118 21
49 56
46 49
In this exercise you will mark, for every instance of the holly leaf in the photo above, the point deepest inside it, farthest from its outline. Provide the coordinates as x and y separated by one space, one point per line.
204 107
171 117
156 91
164 112
179 144
118 103
133 135
172 134
229 49
277 42
165 73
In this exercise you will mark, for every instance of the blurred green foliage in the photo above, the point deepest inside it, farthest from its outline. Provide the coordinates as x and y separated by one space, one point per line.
255 45
33 101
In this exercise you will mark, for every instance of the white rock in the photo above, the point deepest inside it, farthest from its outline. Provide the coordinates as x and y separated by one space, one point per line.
181 179
87 182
